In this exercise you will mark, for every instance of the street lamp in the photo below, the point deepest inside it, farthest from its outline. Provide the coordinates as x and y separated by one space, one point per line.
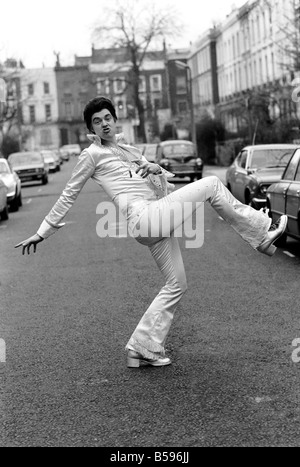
181 64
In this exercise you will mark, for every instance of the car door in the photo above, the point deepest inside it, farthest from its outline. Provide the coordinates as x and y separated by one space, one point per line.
280 204
293 200
240 176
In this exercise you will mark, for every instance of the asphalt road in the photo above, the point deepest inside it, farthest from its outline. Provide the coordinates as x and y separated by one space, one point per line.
68 311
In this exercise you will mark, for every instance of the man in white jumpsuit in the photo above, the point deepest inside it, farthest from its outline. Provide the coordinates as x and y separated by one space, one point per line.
140 189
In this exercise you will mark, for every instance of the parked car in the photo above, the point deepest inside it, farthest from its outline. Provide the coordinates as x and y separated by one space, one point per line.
150 152
69 150
58 155
283 197
13 184
52 160
255 169
30 166
3 202
64 154
180 157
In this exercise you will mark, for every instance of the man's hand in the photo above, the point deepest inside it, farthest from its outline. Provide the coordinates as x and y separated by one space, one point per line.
26 244
148 168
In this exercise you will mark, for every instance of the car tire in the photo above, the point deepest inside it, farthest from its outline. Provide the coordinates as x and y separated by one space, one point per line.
4 216
44 180
14 205
229 187
20 202
199 177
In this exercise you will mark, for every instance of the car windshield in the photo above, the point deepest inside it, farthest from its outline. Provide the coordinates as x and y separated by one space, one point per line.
3 168
268 158
25 158
178 150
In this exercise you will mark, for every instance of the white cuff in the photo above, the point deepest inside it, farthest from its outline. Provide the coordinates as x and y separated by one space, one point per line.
46 230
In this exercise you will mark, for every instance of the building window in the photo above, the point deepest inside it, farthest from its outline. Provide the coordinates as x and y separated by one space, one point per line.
181 85
46 137
46 88
101 86
267 68
142 85
119 85
32 114
83 86
182 106
82 105
68 109
156 104
30 89
155 83
48 112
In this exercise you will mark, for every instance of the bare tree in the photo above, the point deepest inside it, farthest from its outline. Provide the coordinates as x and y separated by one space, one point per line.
136 26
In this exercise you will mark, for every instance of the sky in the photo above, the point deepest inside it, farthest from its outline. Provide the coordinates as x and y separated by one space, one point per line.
31 30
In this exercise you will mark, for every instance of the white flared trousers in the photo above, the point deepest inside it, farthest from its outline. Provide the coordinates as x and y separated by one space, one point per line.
151 332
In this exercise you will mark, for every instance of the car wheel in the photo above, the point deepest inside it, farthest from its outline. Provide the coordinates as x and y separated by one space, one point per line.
14 205
44 180
192 178
4 216
20 202
229 187
199 176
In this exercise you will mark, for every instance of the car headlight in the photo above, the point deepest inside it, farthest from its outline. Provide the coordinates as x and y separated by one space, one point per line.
11 189
199 161
165 163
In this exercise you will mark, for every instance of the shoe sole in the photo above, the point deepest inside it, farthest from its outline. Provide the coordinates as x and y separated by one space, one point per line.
137 363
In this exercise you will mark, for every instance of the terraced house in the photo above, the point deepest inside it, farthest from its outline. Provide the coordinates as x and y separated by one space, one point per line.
39 108
243 69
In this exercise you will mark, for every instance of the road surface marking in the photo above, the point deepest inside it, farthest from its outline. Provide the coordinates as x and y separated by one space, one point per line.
40 189
289 254
3 226
29 201
221 218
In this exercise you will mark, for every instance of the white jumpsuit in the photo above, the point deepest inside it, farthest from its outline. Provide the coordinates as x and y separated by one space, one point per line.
144 204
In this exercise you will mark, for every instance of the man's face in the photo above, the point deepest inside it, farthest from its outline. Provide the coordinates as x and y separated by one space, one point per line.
104 125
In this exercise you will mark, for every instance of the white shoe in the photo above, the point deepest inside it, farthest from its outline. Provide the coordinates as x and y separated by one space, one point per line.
135 360
274 233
